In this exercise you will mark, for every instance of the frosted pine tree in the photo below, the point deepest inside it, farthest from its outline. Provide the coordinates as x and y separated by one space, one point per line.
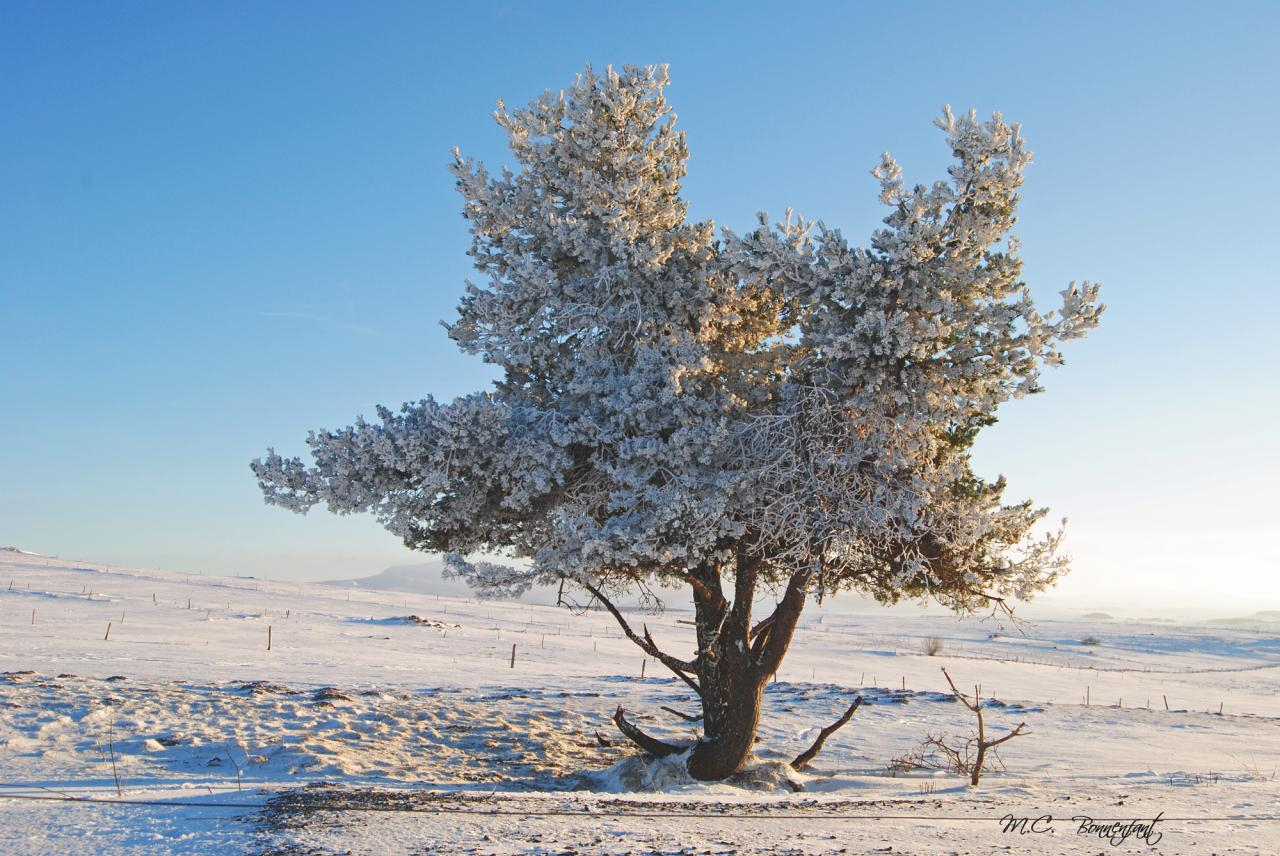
771 413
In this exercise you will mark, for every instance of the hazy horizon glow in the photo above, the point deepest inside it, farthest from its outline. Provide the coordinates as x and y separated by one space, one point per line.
224 226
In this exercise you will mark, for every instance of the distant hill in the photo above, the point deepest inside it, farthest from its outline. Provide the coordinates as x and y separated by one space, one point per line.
1267 621
425 578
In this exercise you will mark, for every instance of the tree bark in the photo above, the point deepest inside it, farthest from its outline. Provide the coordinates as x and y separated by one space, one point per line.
731 694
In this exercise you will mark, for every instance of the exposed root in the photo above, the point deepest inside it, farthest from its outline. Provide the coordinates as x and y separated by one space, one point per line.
652 745
802 760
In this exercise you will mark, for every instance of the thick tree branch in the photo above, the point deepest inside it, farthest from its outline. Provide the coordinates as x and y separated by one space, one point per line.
761 626
771 646
713 599
744 587
652 745
802 760
708 650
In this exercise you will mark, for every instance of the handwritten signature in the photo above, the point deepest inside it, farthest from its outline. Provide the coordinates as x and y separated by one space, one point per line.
1114 832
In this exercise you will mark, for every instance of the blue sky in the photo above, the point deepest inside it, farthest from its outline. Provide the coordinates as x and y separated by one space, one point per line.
222 225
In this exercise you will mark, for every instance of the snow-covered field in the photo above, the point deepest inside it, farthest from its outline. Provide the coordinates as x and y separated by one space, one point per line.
382 722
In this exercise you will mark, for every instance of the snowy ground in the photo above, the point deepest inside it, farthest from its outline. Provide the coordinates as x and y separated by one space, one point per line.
365 731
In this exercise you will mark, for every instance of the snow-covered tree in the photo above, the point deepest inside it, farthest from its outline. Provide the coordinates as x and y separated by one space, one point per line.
736 415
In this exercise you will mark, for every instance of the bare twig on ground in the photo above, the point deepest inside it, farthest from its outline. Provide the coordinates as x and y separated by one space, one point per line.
968 758
111 746
802 760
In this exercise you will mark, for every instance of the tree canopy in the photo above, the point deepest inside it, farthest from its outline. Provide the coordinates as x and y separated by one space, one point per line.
673 398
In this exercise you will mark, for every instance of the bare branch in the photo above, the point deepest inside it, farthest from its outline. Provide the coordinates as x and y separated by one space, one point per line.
802 760
961 696
958 759
996 602
646 643
685 716
693 684
1012 734
671 662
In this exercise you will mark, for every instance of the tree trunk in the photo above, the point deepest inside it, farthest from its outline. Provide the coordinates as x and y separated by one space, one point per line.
734 664
731 693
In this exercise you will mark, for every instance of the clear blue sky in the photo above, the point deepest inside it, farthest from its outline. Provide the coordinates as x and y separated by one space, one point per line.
224 224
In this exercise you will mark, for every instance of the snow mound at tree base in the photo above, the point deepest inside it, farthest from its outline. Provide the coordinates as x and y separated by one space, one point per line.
641 773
